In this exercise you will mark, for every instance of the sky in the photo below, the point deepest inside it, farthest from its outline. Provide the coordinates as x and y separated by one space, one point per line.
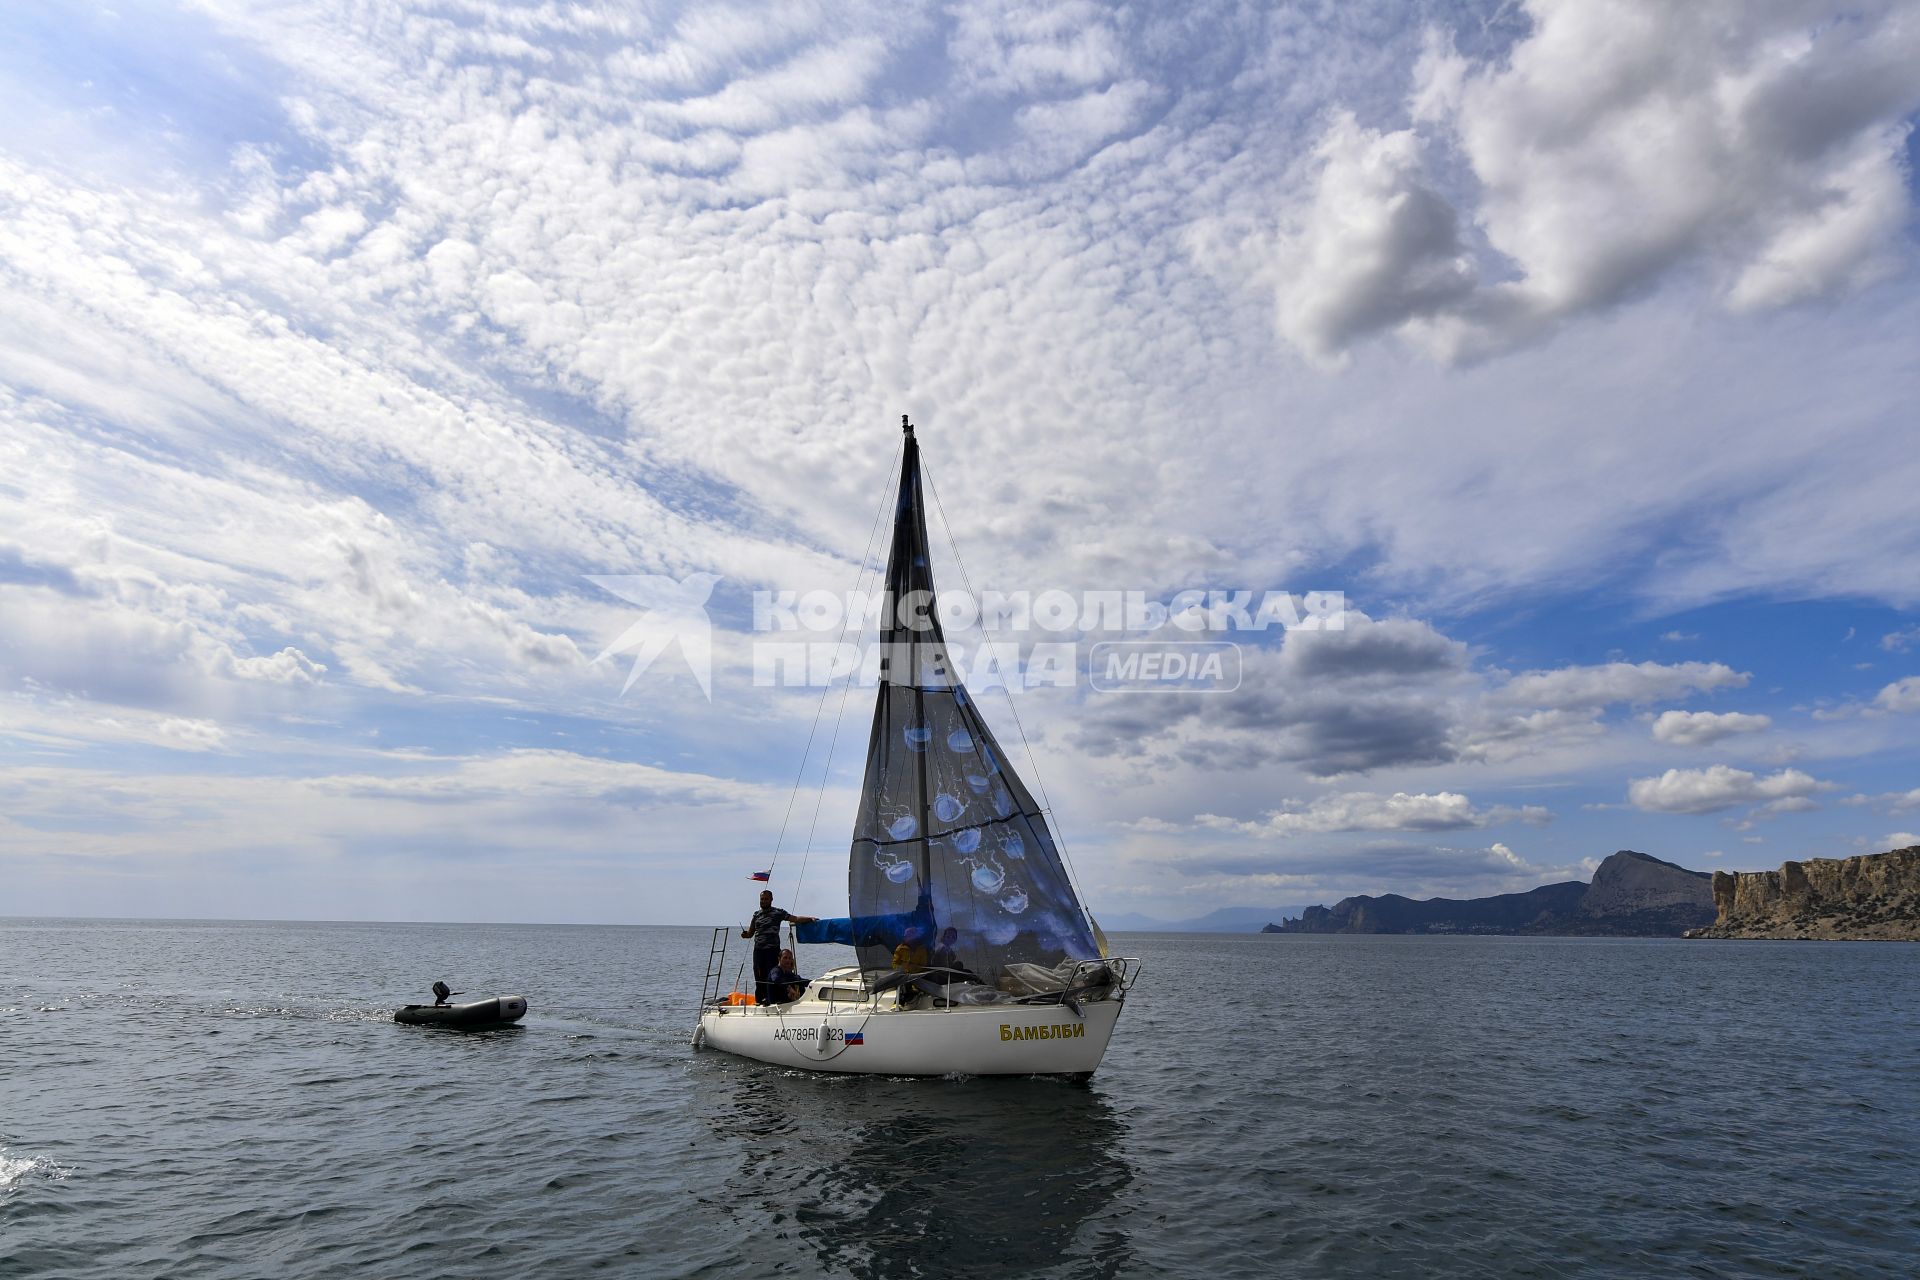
343 347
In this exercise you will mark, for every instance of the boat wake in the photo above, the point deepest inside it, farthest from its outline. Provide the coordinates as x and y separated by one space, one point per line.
17 1171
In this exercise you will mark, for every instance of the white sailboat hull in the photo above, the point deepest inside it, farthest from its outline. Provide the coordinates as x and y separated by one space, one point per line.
983 1040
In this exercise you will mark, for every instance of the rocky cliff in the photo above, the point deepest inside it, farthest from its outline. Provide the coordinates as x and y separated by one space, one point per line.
1632 895
1872 897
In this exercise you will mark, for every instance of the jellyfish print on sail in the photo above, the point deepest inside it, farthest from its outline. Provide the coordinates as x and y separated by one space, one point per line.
947 835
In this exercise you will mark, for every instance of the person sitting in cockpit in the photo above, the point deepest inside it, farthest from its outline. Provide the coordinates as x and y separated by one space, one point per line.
946 959
784 983
909 962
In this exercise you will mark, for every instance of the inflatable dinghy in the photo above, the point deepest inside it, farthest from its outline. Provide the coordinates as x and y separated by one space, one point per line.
499 1012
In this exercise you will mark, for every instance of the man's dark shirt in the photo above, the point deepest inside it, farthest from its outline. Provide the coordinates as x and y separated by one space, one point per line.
765 927
779 979
948 959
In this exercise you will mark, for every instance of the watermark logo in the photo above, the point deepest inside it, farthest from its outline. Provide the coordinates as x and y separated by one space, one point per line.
1113 641
1190 612
676 611
1164 666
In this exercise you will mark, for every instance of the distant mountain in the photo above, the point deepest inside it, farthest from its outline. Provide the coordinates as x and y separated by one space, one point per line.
1632 895
1225 920
1393 913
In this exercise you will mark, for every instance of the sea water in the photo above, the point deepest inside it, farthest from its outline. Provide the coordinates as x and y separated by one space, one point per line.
233 1099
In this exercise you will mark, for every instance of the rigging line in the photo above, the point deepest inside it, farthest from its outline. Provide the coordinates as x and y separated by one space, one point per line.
781 839
840 715
1033 762
826 773
859 577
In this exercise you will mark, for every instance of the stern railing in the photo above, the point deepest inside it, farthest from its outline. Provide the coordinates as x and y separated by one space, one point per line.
1125 971
1119 972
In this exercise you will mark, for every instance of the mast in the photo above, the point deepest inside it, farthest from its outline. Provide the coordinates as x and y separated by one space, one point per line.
910 510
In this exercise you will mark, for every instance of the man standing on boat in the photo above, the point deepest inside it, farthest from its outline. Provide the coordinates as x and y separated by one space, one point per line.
764 929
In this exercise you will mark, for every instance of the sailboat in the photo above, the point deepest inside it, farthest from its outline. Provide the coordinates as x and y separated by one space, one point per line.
973 953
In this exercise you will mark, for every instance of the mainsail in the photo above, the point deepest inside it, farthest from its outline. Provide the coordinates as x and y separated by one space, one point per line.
947 835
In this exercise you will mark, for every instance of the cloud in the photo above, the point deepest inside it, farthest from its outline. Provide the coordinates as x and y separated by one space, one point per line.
1488 733
1370 696
54 725
1613 147
537 775
1370 811
1900 641
1390 648
1787 804
1721 787
288 666
825 76
1374 248
1062 134
1020 48
1697 728
1901 696
1597 686
540 802
1507 855
194 735
1382 694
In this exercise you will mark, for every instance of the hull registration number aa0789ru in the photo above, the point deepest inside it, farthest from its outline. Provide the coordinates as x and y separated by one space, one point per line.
1057 1031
